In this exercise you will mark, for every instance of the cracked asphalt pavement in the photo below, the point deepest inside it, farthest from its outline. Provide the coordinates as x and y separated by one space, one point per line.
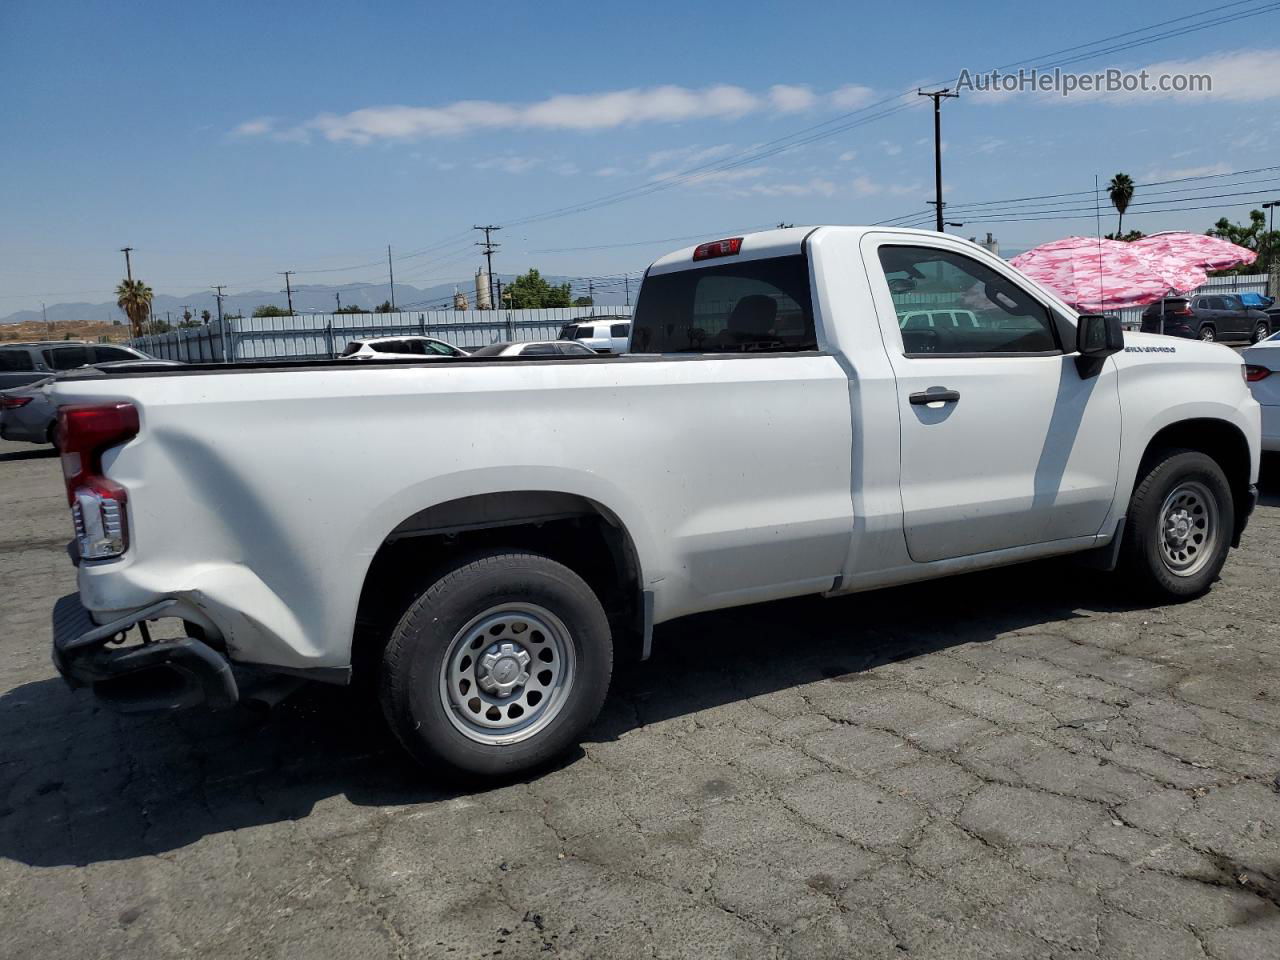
1025 763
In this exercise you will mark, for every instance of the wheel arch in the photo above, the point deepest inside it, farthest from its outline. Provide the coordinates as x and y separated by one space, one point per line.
1217 438
572 529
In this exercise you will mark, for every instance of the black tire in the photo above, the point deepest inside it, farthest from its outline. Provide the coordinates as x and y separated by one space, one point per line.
1261 331
414 673
1145 554
52 436
1208 333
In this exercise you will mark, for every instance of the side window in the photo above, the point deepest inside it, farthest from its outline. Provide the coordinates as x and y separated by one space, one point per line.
748 306
539 350
103 354
16 361
992 314
439 349
1232 303
584 333
390 346
66 358
620 330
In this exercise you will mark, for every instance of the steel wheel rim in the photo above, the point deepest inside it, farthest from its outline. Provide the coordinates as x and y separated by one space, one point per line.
1206 333
507 673
1260 333
1188 529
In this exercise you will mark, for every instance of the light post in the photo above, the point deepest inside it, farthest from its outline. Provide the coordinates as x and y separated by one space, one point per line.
1271 228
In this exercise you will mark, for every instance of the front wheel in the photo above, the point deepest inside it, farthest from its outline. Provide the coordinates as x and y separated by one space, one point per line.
499 667
1208 334
1261 332
1180 522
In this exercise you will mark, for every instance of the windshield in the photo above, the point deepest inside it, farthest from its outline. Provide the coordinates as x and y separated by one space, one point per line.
739 307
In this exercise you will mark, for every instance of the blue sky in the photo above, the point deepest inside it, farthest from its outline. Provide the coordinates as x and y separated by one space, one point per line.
226 142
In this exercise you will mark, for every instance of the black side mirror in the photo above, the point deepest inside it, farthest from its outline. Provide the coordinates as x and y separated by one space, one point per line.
1097 337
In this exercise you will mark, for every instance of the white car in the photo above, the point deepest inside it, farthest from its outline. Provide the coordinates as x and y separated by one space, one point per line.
1262 370
534 348
401 348
601 334
502 532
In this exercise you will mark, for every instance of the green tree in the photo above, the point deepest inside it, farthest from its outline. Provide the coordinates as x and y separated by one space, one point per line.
351 308
1252 236
134 298
584 302
270 310
531 291
383 307
205 316
1120 190
1128 236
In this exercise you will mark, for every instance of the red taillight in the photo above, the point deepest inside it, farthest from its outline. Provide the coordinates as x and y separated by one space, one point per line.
98 504
718 248
13 403
1184 312
1253 373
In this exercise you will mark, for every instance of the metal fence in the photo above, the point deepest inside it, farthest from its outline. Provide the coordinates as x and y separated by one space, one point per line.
1131 317
321 336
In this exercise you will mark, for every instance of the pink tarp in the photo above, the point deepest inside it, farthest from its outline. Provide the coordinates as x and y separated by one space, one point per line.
1102 275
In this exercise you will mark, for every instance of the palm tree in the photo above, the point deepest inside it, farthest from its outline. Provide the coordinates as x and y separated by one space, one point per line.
134 298
1120 190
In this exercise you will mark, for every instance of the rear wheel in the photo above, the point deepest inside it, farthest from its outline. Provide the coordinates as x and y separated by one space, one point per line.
1179 525
1261 332
51 436
499 667
1208 333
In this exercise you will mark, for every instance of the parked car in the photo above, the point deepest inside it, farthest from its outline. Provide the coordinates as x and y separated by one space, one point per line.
534 348
1213 317
28 362
27 413
509 529
1262 370
927 319
601 334
402 348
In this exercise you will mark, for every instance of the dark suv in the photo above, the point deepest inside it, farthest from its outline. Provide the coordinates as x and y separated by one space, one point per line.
1219 316
23 363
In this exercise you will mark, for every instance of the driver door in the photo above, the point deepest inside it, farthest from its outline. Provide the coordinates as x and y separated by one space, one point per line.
1004 443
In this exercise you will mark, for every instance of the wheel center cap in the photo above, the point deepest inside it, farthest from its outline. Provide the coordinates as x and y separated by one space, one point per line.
501 668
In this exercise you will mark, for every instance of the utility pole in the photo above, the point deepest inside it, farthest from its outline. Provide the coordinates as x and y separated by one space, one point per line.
498 304
128 267
391 273
591 291
626 282
337 296
937 96
45 316
1271 229
218 296
288 289
489 247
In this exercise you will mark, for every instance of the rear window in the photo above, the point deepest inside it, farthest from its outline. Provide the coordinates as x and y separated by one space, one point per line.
566 332
16 361
620 330
584 333
107 354
492 350
352 347
745 306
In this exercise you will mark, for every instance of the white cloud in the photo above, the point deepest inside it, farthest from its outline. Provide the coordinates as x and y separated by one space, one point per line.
850 96
604 110
610 172
891 149
508 164
864 186
1179 173
990 145
254 128
791 99
815 186
848 156
686 156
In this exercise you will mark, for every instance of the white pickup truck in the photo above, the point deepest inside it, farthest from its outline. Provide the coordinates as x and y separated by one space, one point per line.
465 533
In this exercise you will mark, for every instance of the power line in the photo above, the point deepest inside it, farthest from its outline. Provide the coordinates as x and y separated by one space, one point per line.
489 247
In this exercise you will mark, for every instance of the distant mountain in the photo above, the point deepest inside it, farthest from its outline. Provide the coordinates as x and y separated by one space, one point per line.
311 298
